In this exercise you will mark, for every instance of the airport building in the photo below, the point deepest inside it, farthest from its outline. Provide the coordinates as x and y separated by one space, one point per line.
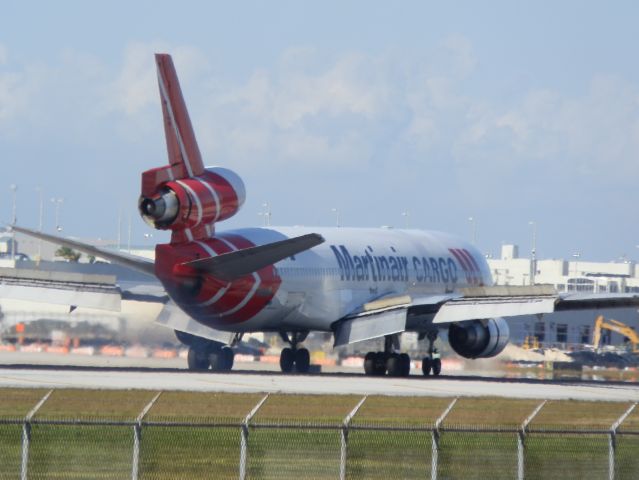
567 329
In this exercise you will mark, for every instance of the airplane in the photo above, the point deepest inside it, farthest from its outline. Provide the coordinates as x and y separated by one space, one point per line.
356 283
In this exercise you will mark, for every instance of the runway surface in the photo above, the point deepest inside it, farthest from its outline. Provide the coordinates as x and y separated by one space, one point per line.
253 381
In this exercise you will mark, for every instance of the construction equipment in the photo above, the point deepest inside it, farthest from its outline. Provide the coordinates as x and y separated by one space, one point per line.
615 326
530 343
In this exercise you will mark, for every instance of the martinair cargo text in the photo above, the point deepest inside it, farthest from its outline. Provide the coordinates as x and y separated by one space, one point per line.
358 284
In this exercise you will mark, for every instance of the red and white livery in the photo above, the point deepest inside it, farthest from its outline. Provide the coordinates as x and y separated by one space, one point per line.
358 284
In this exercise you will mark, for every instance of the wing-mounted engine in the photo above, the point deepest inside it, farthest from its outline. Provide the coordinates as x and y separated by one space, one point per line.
479 338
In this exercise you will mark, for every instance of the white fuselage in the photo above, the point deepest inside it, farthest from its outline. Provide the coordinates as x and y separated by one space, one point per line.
357 265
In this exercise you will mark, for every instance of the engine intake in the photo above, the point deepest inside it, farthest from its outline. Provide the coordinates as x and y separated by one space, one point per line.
479 338
162 210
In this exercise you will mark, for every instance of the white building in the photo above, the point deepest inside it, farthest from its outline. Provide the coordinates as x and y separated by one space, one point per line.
567 329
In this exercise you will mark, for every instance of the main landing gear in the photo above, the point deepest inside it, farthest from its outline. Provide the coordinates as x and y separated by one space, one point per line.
398 364
294 358
204 354
431 363
388 361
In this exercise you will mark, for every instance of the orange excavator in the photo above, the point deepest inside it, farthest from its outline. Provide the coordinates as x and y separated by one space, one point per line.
615 326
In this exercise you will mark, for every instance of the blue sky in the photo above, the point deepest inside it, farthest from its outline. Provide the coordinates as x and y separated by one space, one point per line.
503 111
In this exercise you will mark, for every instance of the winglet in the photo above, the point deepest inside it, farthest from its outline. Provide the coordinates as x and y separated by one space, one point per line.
184 154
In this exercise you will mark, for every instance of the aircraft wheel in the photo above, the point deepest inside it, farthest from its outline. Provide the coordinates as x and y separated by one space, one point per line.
437 366
216 361
369 363
287 359
227 357
394 365
427 364
380 363
404 361
197 360
302 360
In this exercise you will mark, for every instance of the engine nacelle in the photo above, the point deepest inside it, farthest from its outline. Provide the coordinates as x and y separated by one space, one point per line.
479 338
215 195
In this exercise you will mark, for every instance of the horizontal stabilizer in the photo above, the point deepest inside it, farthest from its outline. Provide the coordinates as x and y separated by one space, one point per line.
230 266
140 264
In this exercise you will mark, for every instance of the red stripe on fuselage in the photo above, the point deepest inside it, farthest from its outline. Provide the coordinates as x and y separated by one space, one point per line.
476 268
469 265
206 303
206 298
210 286
464 264
269 284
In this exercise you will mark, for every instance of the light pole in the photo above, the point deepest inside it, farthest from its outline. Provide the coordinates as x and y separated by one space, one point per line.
576 255
130 233
406 216
533 252
57 202
40 221
336 212
14 189
266 214
119 228
473 222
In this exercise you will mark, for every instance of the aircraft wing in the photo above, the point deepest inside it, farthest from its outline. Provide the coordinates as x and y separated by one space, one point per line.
590 301
74 289
389 315
134 262
61 288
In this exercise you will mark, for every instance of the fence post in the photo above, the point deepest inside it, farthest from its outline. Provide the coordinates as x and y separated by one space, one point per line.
137 437
26 435
612 441
435 440
521 438
244 437
344 442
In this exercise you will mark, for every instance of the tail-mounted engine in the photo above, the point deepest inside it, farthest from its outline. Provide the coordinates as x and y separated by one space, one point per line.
193 203
479 338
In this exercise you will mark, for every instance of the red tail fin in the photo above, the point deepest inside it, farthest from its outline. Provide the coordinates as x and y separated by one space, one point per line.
184 154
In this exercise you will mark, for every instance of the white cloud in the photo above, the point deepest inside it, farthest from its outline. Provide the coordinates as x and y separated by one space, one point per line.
18 89
135 86
11 96
461 57
588 133
354 110
4 54
406 127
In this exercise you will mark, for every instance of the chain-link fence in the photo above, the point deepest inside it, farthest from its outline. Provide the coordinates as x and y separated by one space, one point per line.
282 437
